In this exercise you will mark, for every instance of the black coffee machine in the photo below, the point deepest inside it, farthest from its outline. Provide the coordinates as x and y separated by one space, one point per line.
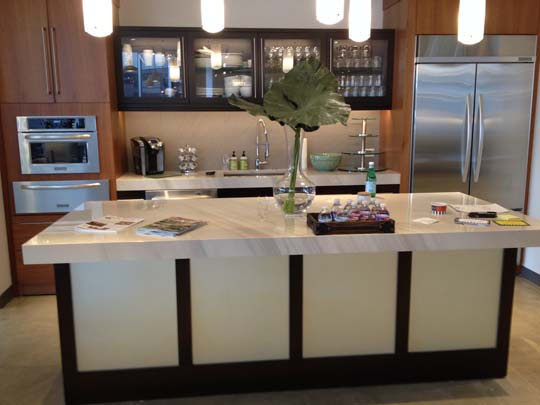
148 155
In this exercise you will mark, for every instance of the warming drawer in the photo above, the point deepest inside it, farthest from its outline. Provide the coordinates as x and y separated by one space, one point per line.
37 197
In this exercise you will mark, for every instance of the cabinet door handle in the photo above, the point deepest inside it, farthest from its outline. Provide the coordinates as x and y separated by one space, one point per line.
46 59
55 61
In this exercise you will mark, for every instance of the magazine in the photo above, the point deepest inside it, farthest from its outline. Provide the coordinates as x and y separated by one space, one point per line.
170 227
107 224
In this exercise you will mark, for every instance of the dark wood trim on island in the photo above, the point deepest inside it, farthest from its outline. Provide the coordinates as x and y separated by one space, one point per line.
297 372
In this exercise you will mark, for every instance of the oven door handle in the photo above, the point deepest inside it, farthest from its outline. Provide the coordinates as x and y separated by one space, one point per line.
57 137
61 187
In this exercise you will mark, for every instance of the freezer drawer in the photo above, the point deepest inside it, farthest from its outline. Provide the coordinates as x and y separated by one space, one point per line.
35 197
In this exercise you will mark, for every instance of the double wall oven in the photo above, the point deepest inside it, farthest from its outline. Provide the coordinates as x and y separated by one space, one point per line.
58 146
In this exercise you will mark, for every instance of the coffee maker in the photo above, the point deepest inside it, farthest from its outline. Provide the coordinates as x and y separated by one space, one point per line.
148 155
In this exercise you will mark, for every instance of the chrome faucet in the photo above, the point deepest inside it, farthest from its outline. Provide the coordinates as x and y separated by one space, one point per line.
258 162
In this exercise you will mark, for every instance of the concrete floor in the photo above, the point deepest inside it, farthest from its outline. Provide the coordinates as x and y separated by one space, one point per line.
30 370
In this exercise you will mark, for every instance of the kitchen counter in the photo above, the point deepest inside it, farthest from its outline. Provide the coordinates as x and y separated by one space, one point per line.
199 180
236 229
147 317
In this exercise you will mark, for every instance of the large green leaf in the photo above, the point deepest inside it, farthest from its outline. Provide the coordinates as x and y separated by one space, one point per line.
252 108
306 98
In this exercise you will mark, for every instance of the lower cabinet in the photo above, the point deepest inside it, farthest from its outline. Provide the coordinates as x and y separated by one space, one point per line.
31 279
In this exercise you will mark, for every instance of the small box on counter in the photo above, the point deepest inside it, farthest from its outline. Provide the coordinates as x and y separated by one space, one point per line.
349 227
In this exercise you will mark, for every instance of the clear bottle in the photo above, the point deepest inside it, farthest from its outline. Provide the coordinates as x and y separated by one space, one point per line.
244 163
348 207
233 161
383 213
325 215
335 208
341 215
371 180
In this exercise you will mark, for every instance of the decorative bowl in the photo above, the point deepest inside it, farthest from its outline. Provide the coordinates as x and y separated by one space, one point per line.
325 162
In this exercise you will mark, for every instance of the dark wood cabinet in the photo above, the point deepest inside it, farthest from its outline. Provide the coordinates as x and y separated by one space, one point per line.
48 57
80 62
209 68
502 17
32 279
26 72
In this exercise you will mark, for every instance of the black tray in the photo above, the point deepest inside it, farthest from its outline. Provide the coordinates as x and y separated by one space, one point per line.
347 228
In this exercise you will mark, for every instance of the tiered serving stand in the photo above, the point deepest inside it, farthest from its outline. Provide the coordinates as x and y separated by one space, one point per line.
359 159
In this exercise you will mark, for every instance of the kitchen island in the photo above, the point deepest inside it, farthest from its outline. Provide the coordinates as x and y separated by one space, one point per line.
254 302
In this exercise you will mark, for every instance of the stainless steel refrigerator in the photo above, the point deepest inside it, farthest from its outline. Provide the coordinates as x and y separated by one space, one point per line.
472 116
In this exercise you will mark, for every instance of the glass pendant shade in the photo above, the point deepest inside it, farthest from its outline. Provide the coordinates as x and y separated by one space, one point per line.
98 17
213 15
330 12
471 21
359 20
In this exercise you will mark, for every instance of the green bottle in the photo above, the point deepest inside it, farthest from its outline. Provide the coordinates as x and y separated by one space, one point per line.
371 180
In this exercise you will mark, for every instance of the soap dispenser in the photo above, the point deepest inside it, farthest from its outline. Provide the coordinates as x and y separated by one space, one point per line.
233 161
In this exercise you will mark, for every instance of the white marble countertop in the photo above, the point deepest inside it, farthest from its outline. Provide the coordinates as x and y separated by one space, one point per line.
239 227
199 180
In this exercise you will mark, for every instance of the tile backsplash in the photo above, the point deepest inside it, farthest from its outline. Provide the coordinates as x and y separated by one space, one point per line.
219 133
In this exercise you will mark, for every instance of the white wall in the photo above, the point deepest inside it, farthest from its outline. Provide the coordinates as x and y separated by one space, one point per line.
238 13
532 255
5 272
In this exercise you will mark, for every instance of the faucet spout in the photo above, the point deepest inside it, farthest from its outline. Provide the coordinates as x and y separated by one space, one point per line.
258 162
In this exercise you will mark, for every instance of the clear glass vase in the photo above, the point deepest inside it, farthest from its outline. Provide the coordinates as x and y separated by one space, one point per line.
294 192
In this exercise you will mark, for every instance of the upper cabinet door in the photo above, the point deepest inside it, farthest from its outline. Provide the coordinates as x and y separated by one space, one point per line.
222 65
80 62
25 73
152 68
364 71
280 52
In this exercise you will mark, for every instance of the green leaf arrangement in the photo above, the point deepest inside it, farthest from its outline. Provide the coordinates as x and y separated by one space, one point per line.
306 99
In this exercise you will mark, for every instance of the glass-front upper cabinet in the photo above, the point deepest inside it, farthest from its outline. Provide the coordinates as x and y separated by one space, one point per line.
222 67
152 69
280 55
363 70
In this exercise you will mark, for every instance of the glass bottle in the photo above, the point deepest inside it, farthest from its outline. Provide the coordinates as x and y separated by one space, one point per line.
371 180
335 208
325 215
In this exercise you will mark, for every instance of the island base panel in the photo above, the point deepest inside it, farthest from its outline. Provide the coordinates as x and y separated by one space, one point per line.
287 343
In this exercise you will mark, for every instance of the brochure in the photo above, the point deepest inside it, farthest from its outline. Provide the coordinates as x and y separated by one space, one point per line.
107 224
170 227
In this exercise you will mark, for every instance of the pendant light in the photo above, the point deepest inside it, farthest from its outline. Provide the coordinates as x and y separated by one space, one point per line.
213 15
330 12
360 20
98 17
471 21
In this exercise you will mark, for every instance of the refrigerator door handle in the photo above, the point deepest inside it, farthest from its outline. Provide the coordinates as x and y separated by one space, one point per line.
466 163
481 138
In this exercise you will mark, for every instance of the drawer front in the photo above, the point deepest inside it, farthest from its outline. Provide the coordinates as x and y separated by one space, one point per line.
34 197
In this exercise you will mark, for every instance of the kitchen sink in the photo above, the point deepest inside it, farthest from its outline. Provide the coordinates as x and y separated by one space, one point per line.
261 172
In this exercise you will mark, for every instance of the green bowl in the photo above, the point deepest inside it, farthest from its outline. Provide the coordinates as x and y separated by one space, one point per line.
325 162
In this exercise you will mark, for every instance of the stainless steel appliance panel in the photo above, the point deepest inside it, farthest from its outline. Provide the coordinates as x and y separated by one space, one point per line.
57 145
180 194
34 197
442 131
501 133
